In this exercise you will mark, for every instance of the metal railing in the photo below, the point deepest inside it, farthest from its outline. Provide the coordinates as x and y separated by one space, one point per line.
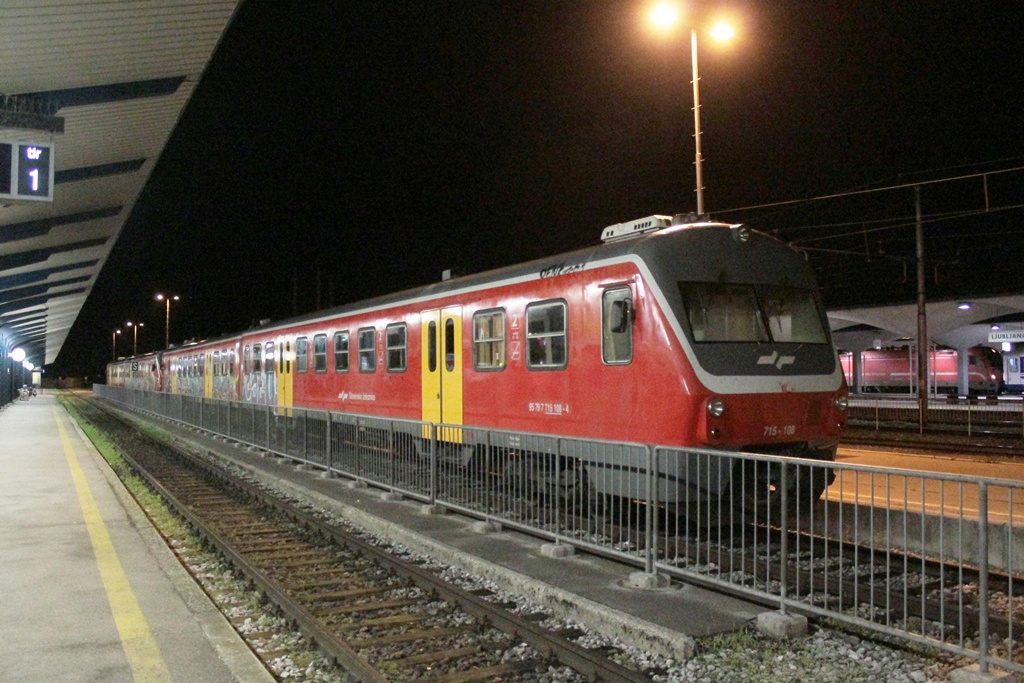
923 556
950 415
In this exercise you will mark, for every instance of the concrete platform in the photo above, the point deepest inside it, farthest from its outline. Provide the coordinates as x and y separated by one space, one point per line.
662 618
88 589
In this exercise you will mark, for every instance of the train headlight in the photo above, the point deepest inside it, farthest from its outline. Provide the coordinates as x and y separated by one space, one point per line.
842 403
716 407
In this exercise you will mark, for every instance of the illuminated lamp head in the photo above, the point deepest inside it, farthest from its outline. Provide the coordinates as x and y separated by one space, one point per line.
18 355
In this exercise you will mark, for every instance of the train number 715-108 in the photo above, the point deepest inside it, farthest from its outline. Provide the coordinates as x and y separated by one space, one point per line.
775 430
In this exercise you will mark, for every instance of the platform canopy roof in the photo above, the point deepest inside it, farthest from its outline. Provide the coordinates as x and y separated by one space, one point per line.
960 323
105 83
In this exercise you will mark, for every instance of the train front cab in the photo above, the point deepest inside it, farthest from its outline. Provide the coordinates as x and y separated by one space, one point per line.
1013 369
768 380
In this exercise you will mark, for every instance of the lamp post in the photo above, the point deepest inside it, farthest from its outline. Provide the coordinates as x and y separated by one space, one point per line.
167 317
135 335
664 17
113 343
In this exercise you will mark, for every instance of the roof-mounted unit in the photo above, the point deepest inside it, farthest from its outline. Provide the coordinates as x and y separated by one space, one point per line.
621 231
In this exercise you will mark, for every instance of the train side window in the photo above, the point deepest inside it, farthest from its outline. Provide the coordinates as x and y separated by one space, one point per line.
231 362
269 358
341 351
301 354
449 344
320 354
257 358
367 349
546 334
489 340
216 363
394 340
247 359
432 346
202 365
617 315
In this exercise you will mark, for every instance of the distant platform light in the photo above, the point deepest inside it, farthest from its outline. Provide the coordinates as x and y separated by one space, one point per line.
964 306
996 326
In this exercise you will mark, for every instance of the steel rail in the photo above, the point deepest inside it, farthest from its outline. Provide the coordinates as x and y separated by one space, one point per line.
551 645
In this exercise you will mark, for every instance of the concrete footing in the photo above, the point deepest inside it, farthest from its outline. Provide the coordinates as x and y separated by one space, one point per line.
391 496
434 509
557 550
647 581
973 674
356 484
485 527
782 625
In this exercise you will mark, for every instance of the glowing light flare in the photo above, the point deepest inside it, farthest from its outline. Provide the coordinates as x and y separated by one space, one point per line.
722 32
664 16
18 355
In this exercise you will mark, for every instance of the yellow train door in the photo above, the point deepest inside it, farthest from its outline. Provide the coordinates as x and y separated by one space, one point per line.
441 367
208 374
285 372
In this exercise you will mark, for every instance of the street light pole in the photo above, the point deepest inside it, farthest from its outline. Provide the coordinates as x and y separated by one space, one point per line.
135 335
167 317
113 343
696 123
664 16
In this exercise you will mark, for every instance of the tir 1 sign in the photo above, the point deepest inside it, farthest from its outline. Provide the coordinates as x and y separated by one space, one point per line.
26 171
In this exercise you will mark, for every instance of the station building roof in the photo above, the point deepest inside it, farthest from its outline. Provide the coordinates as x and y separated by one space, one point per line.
105 82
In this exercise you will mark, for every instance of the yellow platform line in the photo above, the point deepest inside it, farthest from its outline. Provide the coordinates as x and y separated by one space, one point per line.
139 645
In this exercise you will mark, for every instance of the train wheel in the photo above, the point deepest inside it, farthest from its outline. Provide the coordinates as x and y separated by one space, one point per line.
555 482
570 488
757 489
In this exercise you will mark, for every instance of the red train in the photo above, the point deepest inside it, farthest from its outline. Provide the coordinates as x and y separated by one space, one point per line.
673 333
894 371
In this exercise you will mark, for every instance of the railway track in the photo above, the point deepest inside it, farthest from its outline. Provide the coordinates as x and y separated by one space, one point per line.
936 601
889 588
382 617
908 438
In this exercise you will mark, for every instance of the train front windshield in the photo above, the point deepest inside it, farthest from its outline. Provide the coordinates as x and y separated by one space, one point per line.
727 312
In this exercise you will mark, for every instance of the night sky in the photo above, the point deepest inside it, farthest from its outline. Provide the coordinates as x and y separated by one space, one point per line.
336 151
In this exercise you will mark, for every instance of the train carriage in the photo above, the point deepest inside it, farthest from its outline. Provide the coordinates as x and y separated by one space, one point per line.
895 370
680 334
1013 370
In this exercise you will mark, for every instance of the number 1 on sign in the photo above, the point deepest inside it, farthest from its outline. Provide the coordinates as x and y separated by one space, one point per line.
34 173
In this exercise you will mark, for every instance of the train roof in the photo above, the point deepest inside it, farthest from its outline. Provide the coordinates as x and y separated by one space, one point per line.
704 249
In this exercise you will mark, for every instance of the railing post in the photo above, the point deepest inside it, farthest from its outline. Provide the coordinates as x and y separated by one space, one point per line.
489 481
649 531
783 536
983 576
266 442
433 461
329 450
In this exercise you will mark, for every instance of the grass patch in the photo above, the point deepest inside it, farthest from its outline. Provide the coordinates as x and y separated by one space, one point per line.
162 518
